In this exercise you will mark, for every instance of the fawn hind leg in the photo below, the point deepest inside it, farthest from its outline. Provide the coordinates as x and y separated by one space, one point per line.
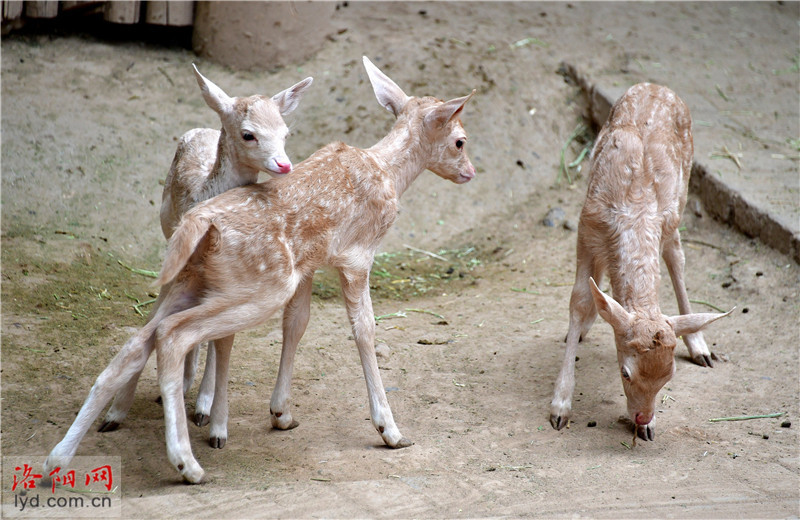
205 395
175 337
119 377
218 435
124 367
123 399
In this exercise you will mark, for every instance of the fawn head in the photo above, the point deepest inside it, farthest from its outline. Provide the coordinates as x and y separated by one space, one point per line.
253 126
646 349
441 126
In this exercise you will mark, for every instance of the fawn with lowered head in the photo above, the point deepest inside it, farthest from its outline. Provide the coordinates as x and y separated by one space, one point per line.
637 190
236 259
206 163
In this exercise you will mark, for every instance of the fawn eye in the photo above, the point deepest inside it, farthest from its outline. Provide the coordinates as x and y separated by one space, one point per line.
247 136
625 374
459 143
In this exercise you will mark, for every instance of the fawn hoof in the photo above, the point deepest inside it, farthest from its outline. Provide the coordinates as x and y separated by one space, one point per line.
704 360
402 443
217 442
558 422
281 421
201 419
699 351
56 459
108 426
291 426
192 473
646 432
392 438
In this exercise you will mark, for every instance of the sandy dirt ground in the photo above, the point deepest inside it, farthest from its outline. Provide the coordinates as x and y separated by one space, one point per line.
89 128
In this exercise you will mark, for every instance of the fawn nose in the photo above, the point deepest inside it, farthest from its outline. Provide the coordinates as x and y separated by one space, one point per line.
468 174
642 419
284 167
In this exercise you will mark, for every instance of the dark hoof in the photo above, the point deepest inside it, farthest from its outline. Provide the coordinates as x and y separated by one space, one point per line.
201 419
217 442
645 433
108 426
558 422
158 400
704 360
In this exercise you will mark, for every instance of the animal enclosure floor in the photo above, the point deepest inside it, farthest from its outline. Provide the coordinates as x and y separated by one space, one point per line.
89 129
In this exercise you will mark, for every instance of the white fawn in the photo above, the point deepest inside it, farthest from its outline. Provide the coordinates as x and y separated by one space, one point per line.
636 193
208 162
236 259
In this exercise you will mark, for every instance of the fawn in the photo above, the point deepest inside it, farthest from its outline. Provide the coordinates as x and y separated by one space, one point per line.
637 190
237 258
208 162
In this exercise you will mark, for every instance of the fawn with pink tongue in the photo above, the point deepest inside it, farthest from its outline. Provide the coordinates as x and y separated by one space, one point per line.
637 190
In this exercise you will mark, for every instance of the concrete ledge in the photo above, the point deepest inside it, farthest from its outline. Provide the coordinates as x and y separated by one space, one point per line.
722 201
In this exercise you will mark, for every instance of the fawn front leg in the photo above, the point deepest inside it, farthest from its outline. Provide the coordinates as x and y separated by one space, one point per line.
295 321
675 260
355 289
582 313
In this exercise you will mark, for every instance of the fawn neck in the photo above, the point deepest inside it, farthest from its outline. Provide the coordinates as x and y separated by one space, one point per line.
228 172
634 270
401 153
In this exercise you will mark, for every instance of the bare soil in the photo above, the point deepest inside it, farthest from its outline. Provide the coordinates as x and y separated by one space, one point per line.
89 128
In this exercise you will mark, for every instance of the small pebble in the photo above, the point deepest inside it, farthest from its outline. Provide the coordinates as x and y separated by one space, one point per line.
570 225
765 436
553 217
786 424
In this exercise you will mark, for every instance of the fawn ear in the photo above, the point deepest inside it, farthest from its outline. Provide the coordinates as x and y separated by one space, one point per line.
390 96
288 99
684 324
215 98
444 113
609 309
